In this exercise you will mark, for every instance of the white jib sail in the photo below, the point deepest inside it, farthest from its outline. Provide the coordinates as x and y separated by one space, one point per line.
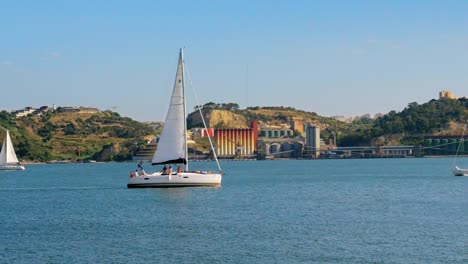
171 146
8 155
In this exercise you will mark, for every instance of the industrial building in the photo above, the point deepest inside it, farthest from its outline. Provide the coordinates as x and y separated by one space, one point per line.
276 133
236 142
447 145
298 125
312 144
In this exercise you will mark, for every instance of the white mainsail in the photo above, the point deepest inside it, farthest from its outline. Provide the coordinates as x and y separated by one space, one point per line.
8 155
172 147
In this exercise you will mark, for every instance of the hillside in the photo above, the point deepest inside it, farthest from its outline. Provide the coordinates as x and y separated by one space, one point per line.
443 117
107 136
72 136
229 115
410 126
217 118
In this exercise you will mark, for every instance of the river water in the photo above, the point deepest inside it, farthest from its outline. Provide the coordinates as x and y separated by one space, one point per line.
284 211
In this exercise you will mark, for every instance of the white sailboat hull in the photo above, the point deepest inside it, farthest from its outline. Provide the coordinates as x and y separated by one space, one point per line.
183 179
12 167
459 171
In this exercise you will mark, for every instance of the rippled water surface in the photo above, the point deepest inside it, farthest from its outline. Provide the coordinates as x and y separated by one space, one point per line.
314 211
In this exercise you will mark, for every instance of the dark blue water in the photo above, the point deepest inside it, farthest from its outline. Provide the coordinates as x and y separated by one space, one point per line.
316 211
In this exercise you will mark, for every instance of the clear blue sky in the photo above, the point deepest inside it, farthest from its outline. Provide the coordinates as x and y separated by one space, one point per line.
331 57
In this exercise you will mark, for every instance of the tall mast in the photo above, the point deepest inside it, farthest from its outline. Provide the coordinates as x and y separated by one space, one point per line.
185 109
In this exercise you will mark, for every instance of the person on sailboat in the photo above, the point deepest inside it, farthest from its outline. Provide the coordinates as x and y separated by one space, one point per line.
140 168
164 170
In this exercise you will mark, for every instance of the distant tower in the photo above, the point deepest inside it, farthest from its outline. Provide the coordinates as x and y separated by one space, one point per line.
313 140
447 94
254 129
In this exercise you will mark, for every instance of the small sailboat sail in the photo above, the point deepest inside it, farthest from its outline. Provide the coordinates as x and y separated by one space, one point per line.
457 171
172 147
8 159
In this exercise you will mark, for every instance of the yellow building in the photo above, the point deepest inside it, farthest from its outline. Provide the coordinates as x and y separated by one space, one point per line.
447 94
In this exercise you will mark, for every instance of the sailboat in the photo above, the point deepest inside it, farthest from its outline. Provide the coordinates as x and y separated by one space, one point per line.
457 171
172 147
8 159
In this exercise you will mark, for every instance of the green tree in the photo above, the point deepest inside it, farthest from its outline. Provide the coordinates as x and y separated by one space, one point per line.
69 129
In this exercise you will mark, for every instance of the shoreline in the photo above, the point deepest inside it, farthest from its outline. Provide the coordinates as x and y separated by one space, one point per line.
203 160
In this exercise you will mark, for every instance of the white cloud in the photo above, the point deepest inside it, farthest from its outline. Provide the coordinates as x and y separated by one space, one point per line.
50 55
54 54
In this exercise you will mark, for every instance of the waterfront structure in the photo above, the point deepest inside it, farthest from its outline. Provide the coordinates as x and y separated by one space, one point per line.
444 145
272 148
397 151
275 133
370 152
233 142
312 141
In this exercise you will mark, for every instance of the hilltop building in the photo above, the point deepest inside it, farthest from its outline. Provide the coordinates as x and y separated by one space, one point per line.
30 111
447 94
79 110
23 112
43 109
